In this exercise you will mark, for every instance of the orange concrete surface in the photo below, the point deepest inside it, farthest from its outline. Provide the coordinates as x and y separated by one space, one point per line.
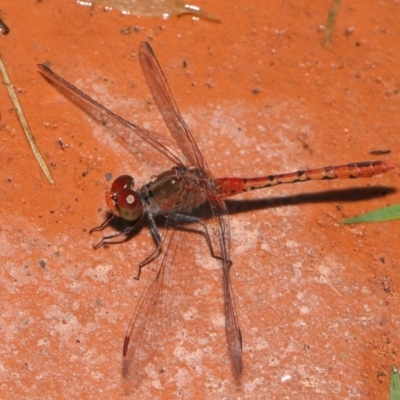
318 301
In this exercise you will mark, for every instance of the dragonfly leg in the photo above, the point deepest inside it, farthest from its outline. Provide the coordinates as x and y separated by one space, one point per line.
103 225
190 219
156 252
178 219
107 239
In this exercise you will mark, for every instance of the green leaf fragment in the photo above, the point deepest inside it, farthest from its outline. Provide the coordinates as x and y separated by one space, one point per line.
382 214
394 383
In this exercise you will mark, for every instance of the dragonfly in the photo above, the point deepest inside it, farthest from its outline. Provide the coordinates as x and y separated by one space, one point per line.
176 194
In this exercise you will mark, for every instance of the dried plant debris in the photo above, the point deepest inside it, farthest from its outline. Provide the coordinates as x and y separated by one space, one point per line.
153 8
24 123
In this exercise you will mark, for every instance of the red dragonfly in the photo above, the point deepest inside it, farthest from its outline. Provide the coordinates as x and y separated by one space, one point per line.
177 194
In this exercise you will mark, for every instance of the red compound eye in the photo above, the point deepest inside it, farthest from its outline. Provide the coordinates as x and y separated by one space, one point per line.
129 205
122 182
122 200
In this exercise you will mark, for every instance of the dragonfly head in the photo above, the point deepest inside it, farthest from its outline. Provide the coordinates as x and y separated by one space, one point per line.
122 200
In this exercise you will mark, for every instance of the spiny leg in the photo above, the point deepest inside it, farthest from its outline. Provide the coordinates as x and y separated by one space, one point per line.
190 219
103 225
177 218
107 239
156 252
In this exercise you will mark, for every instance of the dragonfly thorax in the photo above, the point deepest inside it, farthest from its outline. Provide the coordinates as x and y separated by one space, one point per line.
168 190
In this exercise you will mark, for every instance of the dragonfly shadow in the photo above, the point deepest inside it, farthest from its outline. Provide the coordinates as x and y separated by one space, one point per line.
341 195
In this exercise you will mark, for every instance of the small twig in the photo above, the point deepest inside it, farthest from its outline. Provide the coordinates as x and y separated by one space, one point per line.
24 123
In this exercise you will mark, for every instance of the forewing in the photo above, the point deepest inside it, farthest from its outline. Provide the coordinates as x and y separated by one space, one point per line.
111 120
166 104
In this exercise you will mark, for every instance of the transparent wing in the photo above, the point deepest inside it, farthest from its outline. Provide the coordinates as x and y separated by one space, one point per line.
152 316
166 104
233 334
158 303
110 119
